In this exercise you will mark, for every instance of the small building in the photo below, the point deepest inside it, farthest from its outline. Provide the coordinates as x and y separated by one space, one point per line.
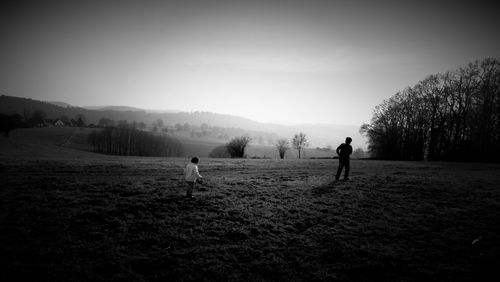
58 123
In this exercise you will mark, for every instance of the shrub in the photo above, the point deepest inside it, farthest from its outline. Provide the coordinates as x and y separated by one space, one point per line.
236 147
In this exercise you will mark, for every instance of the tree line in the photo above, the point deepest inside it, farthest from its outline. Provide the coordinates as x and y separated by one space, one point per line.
454 116
37 118
236 147
133 142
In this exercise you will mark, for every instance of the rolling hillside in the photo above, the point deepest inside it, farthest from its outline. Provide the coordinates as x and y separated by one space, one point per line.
320 135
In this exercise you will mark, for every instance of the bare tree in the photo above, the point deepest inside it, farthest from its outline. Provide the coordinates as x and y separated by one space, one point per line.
105 122
282 145
80 120
236 147
37 118
157 125
300 142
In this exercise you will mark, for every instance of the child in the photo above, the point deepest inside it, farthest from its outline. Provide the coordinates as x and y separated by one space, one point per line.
344 151
191 175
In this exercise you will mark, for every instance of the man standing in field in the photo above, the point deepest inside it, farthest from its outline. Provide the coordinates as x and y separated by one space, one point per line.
191 174
344 152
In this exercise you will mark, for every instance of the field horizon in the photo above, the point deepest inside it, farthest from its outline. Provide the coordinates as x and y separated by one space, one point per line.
47 141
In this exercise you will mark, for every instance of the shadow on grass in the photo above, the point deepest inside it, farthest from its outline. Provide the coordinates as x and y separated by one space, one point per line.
324 189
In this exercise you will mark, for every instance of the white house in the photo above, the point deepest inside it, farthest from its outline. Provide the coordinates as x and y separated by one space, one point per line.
58 123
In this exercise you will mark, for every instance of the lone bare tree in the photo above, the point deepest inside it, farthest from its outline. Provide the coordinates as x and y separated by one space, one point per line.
282 145
236 147
80 120
300 142
37 118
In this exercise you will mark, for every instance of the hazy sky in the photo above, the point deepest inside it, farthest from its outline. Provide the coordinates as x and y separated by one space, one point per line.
287 61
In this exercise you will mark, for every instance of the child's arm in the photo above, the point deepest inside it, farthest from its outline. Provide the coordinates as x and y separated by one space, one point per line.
197 173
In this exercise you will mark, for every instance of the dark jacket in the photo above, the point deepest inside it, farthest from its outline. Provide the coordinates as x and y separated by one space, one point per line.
344 151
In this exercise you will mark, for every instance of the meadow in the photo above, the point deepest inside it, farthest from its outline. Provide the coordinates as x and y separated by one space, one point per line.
71 215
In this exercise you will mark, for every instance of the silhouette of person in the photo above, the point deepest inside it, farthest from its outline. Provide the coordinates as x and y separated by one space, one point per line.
344 151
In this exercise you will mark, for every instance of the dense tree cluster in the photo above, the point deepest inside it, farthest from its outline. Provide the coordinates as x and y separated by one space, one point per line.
132 142
453 116
10 122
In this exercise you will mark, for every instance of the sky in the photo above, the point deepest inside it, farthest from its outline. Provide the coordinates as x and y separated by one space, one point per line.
289 62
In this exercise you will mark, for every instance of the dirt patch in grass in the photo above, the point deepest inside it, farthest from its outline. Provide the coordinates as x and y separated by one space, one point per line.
119 218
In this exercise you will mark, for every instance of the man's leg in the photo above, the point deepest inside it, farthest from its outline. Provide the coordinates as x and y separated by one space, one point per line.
347 168
339 170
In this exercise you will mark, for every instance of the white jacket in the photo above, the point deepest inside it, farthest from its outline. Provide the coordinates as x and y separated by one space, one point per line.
191 172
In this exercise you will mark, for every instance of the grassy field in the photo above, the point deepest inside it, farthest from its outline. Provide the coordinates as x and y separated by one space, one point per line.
69 215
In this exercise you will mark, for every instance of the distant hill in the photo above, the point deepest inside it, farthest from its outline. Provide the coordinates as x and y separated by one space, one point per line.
320 135
127 109
10 104
114 108
60 104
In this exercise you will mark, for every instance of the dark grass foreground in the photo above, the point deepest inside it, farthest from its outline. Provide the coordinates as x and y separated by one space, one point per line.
110 219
